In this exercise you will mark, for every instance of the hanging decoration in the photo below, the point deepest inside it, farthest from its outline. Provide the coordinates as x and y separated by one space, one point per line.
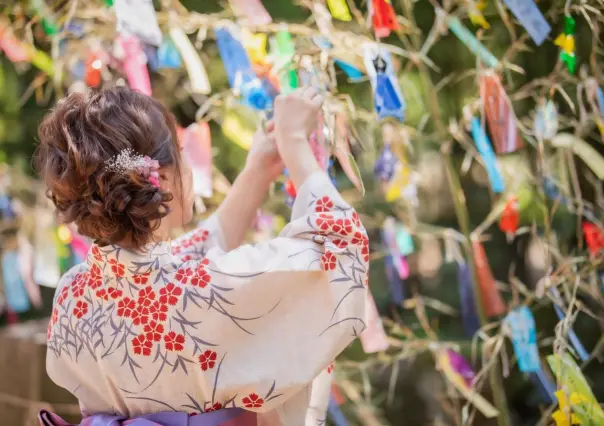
593 237
373 338
499 113
168 55
469 315
397 269
282 52
566 42
545 126
492 302
483 145
459 373
475 12
575 395
197 150
388 100
137 18
510 218
531 18
197 73
520 325
239 69
251 12
468 39
382 17
130 50
339 10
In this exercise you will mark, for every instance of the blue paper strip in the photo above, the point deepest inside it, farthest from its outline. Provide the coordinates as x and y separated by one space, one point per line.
546 388
404 241
168 55
239 71
531 18
485 149
600 97
335 413
351 72
469 317
395 283
524 339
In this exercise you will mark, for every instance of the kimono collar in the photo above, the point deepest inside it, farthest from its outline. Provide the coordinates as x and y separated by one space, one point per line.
120 262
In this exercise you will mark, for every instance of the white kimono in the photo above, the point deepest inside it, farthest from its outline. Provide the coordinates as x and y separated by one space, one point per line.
188 327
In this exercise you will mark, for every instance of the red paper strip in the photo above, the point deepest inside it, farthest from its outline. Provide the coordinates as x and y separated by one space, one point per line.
500 115
252 11
492 302
593 238
510 218
384 18
336 393
93 71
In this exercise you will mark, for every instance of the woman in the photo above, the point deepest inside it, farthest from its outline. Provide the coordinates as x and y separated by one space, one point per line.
149 326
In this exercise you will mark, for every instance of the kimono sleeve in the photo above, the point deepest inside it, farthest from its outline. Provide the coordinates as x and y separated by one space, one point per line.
280 312
195 244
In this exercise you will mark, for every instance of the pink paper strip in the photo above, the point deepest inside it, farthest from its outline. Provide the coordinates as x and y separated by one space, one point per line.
197 147
252 11
135 64
373 339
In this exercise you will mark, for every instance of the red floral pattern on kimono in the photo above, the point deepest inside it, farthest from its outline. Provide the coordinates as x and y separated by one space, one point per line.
188 327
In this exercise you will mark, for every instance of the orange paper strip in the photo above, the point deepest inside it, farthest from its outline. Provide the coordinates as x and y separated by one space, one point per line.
492 302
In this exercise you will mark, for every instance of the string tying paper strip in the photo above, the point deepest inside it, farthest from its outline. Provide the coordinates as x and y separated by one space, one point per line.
499 113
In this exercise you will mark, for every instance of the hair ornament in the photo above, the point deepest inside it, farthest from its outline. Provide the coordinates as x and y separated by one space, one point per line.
128 161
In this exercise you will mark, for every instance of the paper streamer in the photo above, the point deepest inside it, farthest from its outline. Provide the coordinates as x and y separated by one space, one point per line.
583 150
471 42
593 238
283 51
242 77
531 18
135 64
583 403
545 125
388 99
458 372
137 17
339 10
510 218
195 69
499 113
197 149
491 299
404 241
168 55
373 338
544 384
475 9
251 12
14 49
234 129
395 283
469 316
483 145
383 17
521 325
385 165
566 41
335 413
389 237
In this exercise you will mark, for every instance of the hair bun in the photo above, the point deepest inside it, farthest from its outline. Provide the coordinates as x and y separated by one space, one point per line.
78 137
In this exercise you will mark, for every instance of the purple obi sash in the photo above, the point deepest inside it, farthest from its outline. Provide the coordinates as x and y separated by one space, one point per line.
224 417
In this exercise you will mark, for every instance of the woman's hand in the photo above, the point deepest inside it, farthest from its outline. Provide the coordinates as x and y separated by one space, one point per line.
264 157
296 117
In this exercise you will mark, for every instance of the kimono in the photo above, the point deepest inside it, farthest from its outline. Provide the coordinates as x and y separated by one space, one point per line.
188 327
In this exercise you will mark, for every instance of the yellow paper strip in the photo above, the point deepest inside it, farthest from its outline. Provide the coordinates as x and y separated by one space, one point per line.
233 128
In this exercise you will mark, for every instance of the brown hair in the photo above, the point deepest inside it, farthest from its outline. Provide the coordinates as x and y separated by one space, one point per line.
84 131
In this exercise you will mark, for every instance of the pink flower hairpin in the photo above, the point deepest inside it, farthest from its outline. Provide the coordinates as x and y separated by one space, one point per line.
128 161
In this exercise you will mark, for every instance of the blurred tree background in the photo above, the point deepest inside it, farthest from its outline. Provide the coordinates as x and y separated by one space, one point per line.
405 386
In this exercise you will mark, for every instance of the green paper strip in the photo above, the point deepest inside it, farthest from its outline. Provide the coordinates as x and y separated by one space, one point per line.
571 379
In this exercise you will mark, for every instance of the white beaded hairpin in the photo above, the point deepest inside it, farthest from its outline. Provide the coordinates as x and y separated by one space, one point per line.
128 161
